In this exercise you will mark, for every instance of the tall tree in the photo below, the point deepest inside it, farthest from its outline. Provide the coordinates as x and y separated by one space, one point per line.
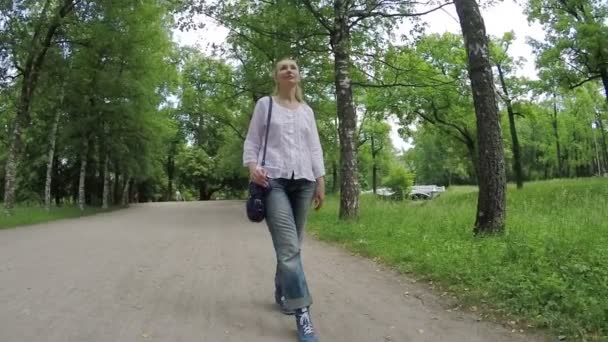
342 23
574 45
28 58
491 202
374 143
505 65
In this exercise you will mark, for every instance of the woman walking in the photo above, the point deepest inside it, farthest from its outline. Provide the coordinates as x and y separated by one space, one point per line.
294 173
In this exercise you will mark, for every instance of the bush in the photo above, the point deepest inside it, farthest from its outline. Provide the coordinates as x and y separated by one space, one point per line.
399 180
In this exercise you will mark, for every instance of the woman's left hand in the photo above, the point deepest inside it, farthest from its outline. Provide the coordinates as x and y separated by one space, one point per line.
319 195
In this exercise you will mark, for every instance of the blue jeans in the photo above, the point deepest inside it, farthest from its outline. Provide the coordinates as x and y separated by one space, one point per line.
287 206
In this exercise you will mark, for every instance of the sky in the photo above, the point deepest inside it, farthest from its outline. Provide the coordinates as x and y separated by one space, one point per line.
500 18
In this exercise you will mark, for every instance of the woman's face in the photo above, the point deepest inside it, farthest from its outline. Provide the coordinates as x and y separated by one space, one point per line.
288 73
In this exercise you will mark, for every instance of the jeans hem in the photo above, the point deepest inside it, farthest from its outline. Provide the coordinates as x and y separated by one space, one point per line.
298 303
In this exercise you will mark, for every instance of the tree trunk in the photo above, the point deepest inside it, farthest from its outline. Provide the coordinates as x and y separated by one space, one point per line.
170 196
565 164
604 146
558 149
10 174
517 168
93 186
116 188
31 72
170 176
83 174
374 168
334 185
597 153
374 177
470 144
111 187
604 75
202 192
491 203
335 173
14 150
349 187
106 183
49 163
205 191
600 123
375 151
125 191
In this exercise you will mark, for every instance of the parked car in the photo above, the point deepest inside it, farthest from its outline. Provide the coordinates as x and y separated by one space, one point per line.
417 192
425 191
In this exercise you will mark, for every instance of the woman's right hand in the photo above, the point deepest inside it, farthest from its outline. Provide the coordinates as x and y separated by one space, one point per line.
258 175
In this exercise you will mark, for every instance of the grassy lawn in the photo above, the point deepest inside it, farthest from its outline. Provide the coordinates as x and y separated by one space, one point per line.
31 215
549 270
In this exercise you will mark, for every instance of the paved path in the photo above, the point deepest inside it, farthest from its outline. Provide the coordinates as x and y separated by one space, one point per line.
172 272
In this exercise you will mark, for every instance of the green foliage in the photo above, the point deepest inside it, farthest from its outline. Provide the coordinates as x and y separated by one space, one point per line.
399 180
439 160
194 165
438 100
440 119
565 120
574 49
375 150
213 122
549 270
105 76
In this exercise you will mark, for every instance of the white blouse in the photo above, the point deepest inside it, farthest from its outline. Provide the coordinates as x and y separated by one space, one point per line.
293 148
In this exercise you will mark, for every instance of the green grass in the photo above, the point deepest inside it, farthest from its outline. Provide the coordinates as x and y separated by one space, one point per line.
26 215
550 270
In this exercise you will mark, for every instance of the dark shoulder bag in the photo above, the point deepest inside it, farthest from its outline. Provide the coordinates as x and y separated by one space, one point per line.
255 202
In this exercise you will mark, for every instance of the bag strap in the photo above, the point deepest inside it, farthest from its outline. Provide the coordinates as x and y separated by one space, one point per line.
267 129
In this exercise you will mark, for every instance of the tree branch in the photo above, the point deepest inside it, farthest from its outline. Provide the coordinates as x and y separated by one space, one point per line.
369 13
382 61
85 43
270 34
445 130
251 42
362 141
318 16
585 81
381 84
569 10
375 151
38 29
229 124
68 6
462 130
12 78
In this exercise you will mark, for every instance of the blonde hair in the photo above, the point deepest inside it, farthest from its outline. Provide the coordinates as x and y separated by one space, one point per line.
299 93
